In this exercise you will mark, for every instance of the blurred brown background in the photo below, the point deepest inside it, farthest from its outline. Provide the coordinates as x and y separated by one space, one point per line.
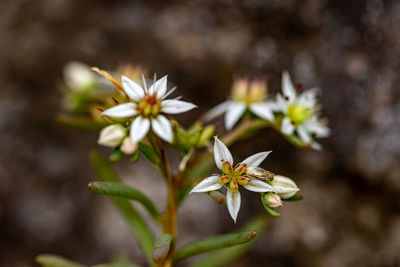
351 49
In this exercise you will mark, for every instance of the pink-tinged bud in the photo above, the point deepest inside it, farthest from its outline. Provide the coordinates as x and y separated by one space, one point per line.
243 180
233 185
128 147
112 135
218 197
260 173
224 179
284 186
273 200
227 168
240 169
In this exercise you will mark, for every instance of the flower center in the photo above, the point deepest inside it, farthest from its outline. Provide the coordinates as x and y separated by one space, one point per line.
149 106
298 113
233 177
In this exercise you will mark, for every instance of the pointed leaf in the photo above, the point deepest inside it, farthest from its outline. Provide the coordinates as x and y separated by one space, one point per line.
149 153
138 226
50 260
162 247
121 190
214 243
228 255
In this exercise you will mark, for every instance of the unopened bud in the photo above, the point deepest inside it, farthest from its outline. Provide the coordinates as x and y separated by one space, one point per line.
226 168
233 185
284 186
243 180
260 173
224 179
218 197
273 200
128 147
112 135
206 134
239 170
78 76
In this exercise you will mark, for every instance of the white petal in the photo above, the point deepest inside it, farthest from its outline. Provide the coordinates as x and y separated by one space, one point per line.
288 87
233 203
256 159
287 127
217 110
303 134
263 110
159 86
132 89
258 186
221 153
316 146
316 127
308 98
121 111
209 184
176 106
233 114
162 127
280 105
139 129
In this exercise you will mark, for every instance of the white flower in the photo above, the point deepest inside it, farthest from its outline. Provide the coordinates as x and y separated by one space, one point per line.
300 112
231 177
245 95
145 108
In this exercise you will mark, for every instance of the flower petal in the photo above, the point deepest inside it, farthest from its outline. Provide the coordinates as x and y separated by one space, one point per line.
159 86
256 159
287 127
303 134
173 106
263 110
317 128
217 110
132 89
139 129
162 127
121 111
258 186
233 114
221 153
308 98
280 105
287 87
209 184
233 203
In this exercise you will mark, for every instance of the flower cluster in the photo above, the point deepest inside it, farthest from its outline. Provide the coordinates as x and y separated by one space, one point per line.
293 113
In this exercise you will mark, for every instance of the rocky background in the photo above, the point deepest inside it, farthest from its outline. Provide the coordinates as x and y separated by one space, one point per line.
351 49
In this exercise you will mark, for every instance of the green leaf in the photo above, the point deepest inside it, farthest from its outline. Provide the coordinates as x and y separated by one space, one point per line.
135 156
149 153
116 155
227 255
162 247
50 260
138 226
296 197
271 211
214 243
121 190
118 261
82 123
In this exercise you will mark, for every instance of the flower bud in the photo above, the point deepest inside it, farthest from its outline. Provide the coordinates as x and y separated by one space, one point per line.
78 76
128 147
243 180
224 179
112 135
217 196
259 173
284 186
226 168
205 135
272 200
233 186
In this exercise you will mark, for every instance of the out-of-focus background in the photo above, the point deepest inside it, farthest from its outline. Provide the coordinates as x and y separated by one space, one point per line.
351 49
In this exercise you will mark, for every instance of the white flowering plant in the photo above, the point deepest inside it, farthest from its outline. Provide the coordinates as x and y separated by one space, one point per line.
138 121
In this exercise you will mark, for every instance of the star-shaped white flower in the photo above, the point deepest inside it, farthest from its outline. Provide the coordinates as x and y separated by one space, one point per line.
245 95
145 108
300 112
231 177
